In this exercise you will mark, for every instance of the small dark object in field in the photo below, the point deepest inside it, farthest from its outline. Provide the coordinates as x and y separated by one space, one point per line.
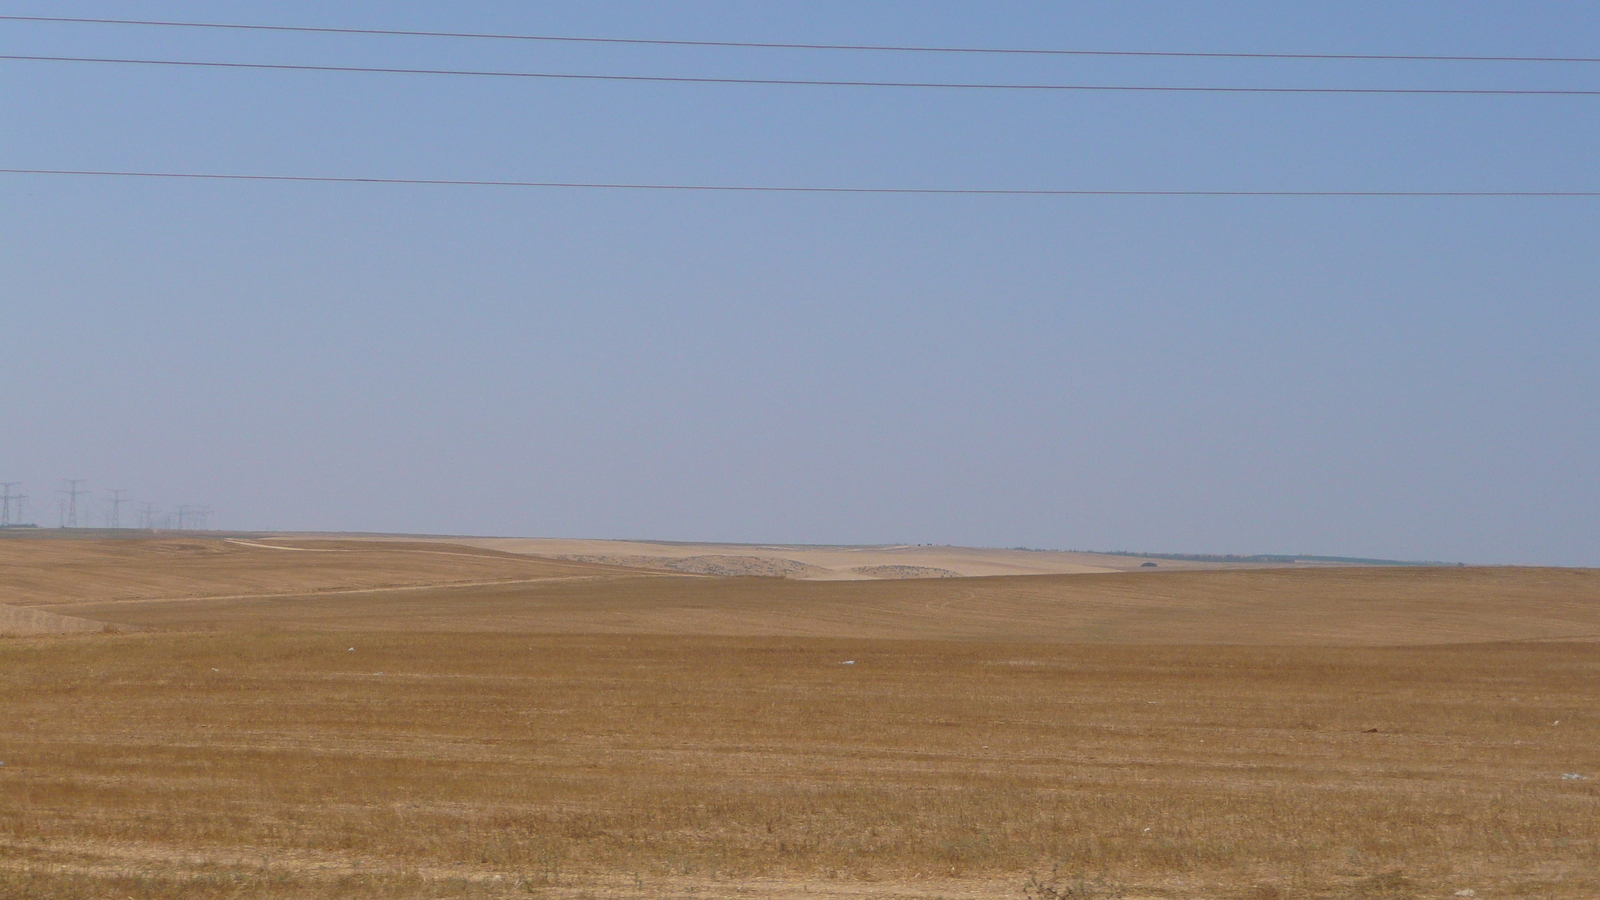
1147 565
1370 731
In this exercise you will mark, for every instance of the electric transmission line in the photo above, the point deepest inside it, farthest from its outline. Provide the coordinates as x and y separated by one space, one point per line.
810 82
69 517
786 189
772 45
7 511
114 520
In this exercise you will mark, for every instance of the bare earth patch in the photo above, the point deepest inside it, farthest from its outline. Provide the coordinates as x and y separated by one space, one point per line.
16 621
904 572
720 565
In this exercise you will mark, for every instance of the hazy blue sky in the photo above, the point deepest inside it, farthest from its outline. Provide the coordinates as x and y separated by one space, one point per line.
1411 378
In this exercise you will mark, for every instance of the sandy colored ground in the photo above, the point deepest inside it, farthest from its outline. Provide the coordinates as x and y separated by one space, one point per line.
1352 606
18 621
814 563
526 728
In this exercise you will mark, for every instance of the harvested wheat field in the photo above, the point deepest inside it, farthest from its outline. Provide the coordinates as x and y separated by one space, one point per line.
44 571
824 563
344 729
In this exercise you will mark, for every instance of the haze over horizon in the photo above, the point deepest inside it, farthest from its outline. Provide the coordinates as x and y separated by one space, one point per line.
1399 378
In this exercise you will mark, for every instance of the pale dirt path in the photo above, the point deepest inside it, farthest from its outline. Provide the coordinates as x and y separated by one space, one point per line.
276 547
313 594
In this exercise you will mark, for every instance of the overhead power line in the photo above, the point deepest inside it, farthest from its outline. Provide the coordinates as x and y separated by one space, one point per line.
786 189
806 82
769 45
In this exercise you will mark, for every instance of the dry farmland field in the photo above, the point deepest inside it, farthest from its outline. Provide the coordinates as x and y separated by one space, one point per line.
273 718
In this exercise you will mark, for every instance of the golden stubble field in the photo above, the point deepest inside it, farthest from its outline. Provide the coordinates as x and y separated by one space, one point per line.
1357 738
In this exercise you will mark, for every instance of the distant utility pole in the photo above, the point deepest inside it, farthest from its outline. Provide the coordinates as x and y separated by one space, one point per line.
116 506
193 518
147 516
5 503
73 492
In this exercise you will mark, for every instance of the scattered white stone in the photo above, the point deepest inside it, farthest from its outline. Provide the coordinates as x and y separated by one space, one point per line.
1572 776
1469 892
351 650
848 662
